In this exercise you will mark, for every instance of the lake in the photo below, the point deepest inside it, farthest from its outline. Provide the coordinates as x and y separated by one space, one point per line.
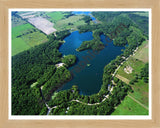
88 71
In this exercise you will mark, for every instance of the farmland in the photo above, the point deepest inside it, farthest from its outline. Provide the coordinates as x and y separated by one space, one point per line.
42 24
55 16
130 107
24 37
143 52
69 23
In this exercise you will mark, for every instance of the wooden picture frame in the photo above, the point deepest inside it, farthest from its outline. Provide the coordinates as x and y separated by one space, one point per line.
4 64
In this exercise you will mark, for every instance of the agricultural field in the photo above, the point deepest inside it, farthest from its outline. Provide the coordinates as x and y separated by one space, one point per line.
24 37
143 52
42 24
55 16
140 92
69 23
130 107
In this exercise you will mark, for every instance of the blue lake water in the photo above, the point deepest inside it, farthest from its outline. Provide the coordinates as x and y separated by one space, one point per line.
88 78
85 13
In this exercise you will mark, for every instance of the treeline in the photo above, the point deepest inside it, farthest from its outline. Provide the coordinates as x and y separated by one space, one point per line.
87 19
28 32
36 65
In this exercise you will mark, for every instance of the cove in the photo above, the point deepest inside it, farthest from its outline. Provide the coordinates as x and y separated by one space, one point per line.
89 78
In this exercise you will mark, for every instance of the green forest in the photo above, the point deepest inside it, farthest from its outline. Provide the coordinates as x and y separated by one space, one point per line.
35 77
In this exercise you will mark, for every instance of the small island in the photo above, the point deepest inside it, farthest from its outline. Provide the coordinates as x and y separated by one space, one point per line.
88 65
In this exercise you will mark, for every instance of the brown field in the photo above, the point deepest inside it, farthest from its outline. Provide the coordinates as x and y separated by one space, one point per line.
122 78
42 24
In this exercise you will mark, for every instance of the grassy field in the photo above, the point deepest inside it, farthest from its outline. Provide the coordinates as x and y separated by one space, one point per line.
140 92
18 45
55 16
143 52
135 64
130 107
27 38
69 23
35 38
16 31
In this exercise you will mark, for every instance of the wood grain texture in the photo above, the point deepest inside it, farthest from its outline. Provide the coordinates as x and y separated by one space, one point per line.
6 4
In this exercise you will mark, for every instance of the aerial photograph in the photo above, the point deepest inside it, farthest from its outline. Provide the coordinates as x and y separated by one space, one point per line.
79 62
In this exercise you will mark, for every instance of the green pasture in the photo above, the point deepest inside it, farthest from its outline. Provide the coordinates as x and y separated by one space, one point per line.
28 39
129 107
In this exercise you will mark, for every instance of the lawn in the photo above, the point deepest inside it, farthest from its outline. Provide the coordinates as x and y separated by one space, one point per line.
27 40
129 107
143 52
135 64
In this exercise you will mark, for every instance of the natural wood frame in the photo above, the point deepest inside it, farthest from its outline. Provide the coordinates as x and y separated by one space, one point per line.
5 5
